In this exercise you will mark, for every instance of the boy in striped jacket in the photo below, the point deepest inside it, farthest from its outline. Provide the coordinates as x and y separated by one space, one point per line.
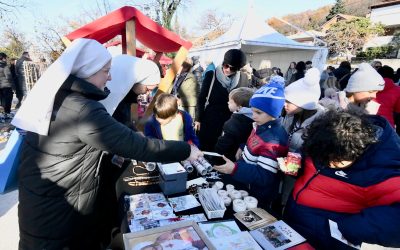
258 165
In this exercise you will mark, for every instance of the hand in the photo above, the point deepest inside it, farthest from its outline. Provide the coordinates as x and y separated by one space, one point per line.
197 126
195 153
226 168
238 154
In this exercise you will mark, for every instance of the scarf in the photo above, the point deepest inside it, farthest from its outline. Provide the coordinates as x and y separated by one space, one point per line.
228 82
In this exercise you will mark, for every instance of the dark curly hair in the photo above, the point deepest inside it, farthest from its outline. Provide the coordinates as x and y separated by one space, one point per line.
338 136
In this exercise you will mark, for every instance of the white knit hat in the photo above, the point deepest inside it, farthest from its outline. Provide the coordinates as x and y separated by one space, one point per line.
366 78
306 91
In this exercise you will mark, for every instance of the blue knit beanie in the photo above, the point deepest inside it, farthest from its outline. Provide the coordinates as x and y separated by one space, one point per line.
269 98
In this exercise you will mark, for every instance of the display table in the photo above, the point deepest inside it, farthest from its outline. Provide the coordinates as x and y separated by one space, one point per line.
127 185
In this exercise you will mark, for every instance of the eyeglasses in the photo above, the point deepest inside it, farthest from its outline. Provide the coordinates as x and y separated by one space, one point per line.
232 68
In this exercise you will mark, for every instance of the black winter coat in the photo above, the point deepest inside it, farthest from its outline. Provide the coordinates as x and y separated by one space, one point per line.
213 117
6 80
235 132
58 175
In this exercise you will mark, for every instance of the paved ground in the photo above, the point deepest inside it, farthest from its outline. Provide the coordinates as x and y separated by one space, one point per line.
9 235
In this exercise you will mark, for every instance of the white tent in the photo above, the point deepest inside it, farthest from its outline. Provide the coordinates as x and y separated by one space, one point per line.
260 42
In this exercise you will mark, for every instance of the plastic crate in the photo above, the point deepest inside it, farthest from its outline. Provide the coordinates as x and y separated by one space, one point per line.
215 213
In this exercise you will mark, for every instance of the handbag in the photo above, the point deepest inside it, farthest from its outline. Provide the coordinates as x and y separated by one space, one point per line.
209 91
9 162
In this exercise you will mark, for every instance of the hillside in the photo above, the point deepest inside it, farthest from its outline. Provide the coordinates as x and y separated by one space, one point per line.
313 19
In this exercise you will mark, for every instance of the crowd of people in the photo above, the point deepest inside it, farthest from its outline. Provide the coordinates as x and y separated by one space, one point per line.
342 122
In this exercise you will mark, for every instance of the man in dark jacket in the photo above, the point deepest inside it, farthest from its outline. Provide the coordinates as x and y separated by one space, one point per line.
342 74
351 181
20 87
6 83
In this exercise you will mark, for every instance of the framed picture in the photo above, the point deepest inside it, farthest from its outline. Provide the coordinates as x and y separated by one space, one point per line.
255 218
185 235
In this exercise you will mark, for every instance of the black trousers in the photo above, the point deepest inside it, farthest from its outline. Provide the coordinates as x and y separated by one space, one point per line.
6 96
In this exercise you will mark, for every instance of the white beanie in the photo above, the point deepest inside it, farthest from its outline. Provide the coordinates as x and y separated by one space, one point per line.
127 71
306 91
366 78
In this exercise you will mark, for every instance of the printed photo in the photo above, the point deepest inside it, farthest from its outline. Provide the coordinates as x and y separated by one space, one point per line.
169 237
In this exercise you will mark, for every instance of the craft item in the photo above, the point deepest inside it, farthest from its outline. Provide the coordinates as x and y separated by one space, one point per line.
211 154
251 202
277 236
182 203
218 185
230 187
150 206
239 205
227 200
177 236
173 178
244 193
205 164
291 164
222 193
239 241
212 203
198 182
199 167
217 230
118 161
150 166
234 194
188 166
255 218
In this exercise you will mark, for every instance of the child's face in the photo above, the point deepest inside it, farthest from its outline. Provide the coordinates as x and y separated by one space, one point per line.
166 120
364 97
260 117
232 105
291 109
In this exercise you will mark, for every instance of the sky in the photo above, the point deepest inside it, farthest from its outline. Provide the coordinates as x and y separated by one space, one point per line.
54 10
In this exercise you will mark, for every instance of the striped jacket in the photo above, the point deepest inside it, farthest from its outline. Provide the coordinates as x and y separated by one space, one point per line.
258 165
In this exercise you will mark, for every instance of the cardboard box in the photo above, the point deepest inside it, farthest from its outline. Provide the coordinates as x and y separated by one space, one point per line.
173 178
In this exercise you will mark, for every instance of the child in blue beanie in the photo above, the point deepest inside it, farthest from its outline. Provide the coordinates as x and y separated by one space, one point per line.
268 141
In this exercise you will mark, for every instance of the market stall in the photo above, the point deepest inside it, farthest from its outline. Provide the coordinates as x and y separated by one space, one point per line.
160 198
132 25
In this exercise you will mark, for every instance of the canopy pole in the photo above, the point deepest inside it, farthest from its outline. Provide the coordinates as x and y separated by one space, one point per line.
66 41
131 37
123 41
165 84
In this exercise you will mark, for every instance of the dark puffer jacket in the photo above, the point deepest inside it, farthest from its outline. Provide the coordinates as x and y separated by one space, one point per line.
59 172
6 80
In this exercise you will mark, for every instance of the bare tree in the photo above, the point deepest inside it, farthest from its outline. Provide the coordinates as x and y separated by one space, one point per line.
9 7
161 11
13 42
211 20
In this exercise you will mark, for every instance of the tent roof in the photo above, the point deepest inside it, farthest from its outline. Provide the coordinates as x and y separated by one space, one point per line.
148 32
253 30
165 60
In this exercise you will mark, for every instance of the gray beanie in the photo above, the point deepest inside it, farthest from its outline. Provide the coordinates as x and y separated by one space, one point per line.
366 78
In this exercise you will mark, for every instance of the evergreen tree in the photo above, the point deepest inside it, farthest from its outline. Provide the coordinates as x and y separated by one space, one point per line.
338 8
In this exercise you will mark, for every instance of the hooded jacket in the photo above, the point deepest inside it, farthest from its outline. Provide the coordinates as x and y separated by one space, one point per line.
363 199
58 174
235 133
389 99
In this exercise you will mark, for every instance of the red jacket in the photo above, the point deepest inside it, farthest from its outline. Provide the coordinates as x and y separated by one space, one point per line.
389 99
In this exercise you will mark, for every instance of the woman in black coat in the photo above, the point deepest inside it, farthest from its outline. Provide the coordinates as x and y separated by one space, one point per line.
67 135
212 102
